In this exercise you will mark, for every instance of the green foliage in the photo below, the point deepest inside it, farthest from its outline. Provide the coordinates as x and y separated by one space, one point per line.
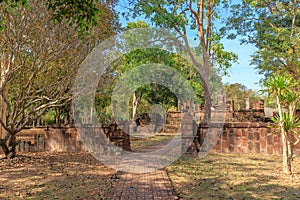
42 69
222 58
9 5
49 117
185 18
149 94
273 28
281 86
284 87
83 14
289 122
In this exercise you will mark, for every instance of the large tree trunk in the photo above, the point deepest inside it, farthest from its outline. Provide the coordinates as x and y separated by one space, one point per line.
8 145
12 146
2 116
3 94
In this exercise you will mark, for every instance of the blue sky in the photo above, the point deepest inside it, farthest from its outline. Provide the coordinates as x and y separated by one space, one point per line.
242 72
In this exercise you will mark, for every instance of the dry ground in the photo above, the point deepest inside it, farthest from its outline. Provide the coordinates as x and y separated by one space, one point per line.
141 143
216 176
54 176
232 176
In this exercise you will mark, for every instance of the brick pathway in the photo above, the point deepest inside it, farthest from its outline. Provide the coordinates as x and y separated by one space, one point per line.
151 185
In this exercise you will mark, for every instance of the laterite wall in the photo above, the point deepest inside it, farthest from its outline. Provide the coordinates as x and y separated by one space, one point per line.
248 137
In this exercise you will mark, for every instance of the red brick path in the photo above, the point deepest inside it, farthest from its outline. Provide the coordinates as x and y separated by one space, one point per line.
153 185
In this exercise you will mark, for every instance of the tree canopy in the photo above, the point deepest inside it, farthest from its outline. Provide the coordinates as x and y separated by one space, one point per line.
83 14
273 27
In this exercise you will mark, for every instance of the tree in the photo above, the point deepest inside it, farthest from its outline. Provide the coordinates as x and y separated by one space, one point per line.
281 88
273 28
188 18
39 61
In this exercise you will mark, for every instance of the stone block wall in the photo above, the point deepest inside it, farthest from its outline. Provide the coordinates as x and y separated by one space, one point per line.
246 116
188 134
31 141
248 137
66 138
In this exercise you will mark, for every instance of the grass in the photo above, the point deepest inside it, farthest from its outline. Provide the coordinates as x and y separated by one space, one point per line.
233 176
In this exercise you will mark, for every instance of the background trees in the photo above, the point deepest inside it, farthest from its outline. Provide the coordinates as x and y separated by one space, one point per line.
148 95
191 19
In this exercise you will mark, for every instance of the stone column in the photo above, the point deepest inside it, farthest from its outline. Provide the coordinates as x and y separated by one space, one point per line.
230 106
188 133
262 104
247 104
255 104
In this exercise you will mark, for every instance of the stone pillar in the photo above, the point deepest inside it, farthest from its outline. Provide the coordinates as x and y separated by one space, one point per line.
220 99
188 105
230 105
255 104
262 104
188 132
247 104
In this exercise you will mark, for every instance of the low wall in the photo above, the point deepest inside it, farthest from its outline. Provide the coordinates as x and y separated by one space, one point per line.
248 137
66 139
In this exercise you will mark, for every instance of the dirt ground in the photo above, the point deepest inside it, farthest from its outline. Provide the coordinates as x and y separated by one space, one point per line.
216 176
54 176
234 176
